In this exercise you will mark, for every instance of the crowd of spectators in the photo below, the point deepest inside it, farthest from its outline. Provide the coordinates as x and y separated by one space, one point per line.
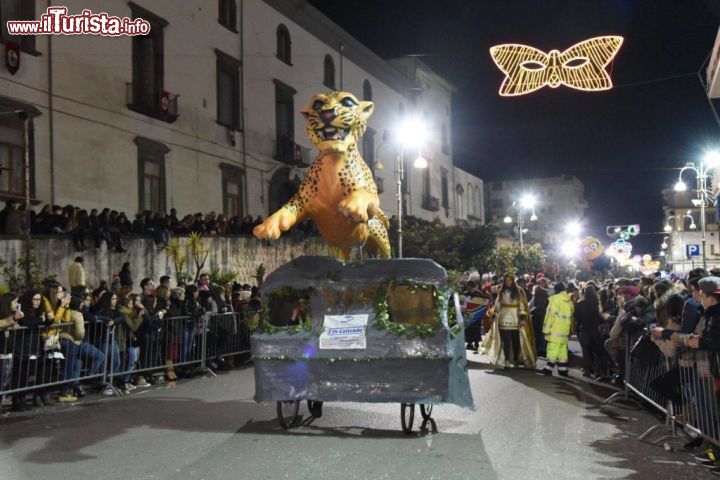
91 229
51 335
611 319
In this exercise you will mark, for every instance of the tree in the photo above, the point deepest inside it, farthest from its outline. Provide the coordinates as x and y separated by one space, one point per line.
529 259
455 247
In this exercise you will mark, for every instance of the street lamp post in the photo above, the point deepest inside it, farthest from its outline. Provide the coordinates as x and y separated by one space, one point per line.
399 173
710 162
410 134
679 228
526 203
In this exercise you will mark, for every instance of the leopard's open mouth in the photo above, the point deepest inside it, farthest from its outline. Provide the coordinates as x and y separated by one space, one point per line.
333 133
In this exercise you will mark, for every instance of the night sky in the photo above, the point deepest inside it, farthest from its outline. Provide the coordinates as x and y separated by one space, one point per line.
624 144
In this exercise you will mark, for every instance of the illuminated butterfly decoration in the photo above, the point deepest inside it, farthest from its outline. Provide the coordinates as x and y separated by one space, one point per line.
581 66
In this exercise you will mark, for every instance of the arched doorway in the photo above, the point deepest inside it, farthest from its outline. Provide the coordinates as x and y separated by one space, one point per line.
281 189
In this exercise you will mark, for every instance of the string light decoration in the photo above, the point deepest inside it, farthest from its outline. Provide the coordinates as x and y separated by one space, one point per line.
581 66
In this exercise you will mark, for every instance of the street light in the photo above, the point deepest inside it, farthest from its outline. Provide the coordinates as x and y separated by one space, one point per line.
411 133
527 202
710 161
573 229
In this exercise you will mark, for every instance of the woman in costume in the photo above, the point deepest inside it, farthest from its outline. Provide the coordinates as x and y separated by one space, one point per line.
510 340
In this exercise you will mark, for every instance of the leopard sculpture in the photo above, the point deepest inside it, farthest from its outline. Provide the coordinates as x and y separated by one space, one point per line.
339 191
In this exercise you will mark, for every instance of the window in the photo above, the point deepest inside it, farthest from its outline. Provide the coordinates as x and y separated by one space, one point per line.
551 210
151 174
12 152
284 122
426 184
445 140
284 45
228 91
147 65
401 110
228 14
329 72
368 148
281 189
444 190
18 10
478 203
367 91
233 181
471 201
497 203
459 191
497 186
549 194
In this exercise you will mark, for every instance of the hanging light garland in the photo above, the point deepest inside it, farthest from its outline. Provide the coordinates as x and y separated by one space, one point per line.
581 66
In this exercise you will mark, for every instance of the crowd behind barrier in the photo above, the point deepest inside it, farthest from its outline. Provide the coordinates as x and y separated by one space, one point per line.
57 340
92 228
656 338
31 363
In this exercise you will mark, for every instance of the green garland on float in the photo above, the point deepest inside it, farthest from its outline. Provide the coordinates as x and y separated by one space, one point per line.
286 292
383 320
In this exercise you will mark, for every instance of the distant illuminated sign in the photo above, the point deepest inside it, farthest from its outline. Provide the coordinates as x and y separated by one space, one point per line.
581 66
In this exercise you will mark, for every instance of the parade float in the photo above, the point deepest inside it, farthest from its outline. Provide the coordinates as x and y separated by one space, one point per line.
382 330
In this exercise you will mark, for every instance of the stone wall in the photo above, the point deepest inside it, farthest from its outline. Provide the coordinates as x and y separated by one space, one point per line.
243 254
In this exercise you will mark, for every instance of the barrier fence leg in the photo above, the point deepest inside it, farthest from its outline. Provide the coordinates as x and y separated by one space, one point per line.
108 374
670 427
203 352
624 396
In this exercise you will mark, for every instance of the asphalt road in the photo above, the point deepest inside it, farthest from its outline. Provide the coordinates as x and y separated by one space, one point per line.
525 427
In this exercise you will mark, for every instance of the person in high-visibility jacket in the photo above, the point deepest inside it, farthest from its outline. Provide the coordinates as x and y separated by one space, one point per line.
556 328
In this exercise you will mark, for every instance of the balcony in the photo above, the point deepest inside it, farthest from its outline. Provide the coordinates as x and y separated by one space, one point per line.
289 152
140 98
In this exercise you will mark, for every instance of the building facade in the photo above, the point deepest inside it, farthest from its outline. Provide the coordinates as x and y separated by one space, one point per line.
683 233
558 202
203 113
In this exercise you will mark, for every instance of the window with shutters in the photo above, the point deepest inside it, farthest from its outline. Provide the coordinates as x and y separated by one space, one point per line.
18 10
233 179
147 65
228 91
227 15
12 152
151 174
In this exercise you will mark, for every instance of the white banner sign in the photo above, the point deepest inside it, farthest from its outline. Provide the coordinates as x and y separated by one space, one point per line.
344 332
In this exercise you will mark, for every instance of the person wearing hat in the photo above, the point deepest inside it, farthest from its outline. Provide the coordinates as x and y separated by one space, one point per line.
510 340
556 328
76 276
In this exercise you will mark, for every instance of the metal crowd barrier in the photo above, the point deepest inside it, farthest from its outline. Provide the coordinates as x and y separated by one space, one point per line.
37 358
30 362
698 410
699 371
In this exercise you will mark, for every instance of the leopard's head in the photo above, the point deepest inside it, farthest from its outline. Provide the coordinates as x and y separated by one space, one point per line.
336 121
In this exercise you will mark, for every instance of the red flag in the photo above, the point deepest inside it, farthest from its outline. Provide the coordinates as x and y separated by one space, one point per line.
164 103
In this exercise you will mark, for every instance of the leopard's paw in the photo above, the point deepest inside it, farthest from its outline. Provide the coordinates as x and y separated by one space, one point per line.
355 207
